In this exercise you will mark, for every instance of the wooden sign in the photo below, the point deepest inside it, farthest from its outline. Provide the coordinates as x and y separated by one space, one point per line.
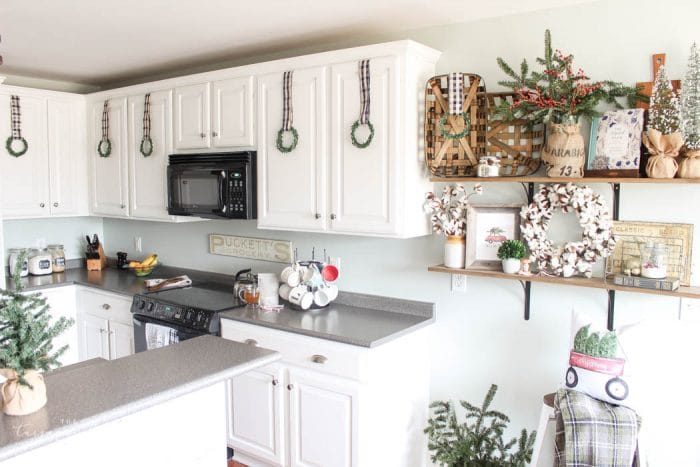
657 60
263 249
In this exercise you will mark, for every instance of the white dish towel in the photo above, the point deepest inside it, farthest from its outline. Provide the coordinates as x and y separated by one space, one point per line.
159 336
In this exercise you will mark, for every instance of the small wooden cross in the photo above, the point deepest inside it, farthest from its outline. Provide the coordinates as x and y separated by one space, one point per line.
657 60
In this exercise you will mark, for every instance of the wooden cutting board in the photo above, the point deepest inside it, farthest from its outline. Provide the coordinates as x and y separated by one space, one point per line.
657 61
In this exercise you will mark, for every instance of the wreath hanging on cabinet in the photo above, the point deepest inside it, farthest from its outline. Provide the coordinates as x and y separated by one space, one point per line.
575 257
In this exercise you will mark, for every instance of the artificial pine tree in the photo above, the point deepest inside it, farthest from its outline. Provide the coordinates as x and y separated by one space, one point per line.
664 107
690 102
26 331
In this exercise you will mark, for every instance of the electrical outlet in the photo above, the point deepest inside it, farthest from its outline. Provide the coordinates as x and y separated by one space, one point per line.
459 283
690 309
137 244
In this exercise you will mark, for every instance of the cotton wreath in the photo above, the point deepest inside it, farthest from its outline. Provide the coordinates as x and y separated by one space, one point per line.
576 256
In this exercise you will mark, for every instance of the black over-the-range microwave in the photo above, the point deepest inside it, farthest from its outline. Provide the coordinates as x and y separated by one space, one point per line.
213 185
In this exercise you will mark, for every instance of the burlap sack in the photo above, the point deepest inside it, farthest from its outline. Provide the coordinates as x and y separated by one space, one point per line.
564 151
664 150
690 165
19 399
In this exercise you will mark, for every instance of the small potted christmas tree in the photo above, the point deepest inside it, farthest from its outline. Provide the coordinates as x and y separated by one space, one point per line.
690 117
25 347
663 138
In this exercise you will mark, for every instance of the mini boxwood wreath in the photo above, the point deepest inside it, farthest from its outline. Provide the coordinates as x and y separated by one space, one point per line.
576 256
355 142
365 101
104 147
461 134
146 147
287 115
16 124
280 141
10 149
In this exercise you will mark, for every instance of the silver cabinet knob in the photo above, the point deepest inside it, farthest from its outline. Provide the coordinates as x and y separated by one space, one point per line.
332 216
122 206
55 205
102 331
290 386
106 306
252 342
41 205
320 359
317 216
203 135
275 382
214 134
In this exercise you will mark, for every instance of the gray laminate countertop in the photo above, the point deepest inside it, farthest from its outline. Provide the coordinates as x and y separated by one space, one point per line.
78 399
353 318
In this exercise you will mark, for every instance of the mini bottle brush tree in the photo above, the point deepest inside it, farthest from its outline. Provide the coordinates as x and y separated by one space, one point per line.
26 332
664 107
690 102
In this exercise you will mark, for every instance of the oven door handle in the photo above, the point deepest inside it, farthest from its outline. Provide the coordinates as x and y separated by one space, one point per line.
221 180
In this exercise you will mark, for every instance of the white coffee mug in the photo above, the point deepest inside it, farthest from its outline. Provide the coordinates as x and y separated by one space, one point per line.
312 276
284 291
321 298
301 297
291 275
331 291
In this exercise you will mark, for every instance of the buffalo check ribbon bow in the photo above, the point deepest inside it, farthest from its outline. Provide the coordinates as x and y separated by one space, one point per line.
16 123
364 74
455 100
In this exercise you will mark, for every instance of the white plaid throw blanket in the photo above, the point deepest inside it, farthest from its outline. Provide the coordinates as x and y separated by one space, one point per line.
592 433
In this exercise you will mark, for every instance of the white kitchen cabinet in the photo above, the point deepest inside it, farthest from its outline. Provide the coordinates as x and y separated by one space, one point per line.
336 404
105 325
49 179
192 129
148 182
256 412
62 303
233 117
109 177
292 186
322 419
326 184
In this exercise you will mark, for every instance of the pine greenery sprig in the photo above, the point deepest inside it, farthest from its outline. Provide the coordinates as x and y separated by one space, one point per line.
664 107
690 101
478 442
26 330
557 92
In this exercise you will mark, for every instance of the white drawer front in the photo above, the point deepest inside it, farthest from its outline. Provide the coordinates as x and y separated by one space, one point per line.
330 357
107 305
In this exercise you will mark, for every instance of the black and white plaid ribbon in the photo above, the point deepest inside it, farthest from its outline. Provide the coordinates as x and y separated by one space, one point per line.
455 93
287 112
105 121
147 116
16 117
364 91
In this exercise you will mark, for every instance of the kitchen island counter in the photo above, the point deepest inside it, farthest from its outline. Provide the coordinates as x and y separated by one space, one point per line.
93 393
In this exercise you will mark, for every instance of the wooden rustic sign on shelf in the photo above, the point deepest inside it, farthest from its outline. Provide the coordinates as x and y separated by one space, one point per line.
263 249
631 235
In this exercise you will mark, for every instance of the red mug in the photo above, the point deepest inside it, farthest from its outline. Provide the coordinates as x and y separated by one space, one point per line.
330 273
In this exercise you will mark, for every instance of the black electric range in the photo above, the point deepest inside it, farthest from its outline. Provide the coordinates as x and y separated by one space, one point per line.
179 314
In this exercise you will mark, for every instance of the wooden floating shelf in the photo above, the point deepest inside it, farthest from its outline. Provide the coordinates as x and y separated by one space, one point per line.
545 179
593 283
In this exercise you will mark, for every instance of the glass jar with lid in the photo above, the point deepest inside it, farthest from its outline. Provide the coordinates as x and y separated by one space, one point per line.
40 262
15 254
58 258
654 260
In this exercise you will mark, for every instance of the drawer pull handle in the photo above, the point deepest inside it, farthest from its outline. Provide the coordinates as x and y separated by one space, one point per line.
290 387
274 382
252 342
102 331
106 306
320 359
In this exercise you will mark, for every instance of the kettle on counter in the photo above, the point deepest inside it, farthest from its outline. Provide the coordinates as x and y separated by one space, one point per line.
243 278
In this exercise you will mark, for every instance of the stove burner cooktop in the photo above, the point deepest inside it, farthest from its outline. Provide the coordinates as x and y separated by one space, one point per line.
203 297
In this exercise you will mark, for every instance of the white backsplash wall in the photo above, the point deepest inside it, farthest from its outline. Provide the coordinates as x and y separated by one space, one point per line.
68 231
480 337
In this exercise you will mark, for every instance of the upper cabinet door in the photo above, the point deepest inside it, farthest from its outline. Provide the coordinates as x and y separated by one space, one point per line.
192 117
66 157
292 185
363 182
25 179
148 194
109 175
232 113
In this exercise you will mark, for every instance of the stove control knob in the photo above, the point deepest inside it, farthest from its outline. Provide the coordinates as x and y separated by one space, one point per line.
142 304
150 306
189 314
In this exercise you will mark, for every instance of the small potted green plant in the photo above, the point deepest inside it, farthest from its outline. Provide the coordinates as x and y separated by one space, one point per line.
510 253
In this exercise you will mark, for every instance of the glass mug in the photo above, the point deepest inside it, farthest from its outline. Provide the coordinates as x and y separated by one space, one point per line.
250 294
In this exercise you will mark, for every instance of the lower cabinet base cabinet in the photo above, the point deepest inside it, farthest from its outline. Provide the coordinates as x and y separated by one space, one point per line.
104 325
327 404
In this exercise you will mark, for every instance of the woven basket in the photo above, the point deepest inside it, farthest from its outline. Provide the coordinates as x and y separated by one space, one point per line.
447 157
518 147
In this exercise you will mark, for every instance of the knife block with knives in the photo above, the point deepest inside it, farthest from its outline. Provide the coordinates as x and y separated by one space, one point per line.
94 254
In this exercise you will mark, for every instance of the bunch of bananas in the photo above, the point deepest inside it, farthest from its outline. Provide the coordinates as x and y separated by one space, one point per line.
145 266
